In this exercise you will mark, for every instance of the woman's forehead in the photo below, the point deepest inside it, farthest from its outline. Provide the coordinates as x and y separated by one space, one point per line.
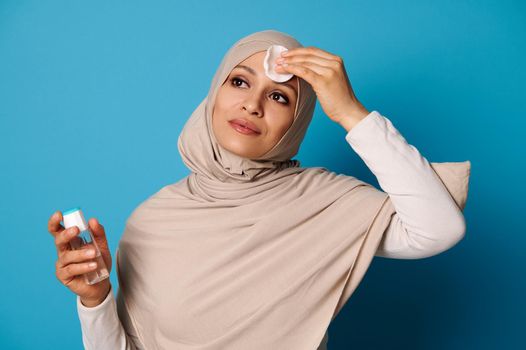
256 57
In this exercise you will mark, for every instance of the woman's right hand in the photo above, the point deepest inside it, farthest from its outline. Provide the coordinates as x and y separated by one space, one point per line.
72 264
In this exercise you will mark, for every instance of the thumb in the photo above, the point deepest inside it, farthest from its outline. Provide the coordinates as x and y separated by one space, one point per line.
96 227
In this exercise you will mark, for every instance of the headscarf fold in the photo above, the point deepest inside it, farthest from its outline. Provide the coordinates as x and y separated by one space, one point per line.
246 253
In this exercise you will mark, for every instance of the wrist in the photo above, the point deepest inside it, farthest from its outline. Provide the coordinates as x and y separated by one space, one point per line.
89 302
353 117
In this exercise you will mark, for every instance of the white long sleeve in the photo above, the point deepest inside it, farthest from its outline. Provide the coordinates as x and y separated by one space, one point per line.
101 326
427 220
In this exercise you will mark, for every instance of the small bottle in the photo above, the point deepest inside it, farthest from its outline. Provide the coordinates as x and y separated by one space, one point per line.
84 240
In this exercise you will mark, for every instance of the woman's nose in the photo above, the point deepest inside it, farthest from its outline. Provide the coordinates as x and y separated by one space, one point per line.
253 106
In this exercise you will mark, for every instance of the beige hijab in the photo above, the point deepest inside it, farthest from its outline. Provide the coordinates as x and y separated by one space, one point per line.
246 253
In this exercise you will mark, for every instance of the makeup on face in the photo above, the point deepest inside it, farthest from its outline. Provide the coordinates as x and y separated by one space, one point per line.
244 126
238 125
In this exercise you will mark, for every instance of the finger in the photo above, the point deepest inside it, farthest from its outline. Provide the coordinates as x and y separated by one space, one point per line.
96 227
87 252
63 238
309 50
324 62
99 236
53 226
67 273
301 71
321 70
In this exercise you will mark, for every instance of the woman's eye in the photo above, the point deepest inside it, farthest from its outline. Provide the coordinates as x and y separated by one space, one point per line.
235 80
283 97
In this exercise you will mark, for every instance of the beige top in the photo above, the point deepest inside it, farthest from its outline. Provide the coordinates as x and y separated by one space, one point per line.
251 253
102 328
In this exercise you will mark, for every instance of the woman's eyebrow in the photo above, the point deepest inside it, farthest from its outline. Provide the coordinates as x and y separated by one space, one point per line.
253 72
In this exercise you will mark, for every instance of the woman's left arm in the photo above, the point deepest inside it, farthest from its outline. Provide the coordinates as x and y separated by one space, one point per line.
427 219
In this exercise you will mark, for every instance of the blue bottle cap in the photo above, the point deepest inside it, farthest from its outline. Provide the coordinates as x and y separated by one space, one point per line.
71 210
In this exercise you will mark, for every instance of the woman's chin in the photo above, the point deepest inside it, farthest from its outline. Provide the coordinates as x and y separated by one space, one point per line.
242 151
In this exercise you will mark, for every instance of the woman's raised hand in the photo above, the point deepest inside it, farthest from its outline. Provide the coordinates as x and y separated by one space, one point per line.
72 264
326 74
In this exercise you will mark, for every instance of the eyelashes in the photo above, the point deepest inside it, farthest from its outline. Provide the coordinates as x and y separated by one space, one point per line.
234 80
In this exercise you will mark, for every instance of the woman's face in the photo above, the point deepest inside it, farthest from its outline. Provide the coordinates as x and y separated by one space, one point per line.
250 95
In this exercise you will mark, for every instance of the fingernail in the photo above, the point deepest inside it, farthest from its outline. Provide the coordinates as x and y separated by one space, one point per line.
92 264
89 252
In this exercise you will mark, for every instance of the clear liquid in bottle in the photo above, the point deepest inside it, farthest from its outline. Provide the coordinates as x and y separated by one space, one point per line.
84 240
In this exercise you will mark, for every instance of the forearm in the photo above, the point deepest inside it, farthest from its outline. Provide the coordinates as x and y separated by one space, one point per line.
429 220
101 326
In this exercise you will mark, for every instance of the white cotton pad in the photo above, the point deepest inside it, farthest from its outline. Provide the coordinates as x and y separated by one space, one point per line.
273 52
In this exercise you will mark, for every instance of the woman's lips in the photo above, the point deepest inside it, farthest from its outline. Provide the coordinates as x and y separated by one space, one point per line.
241 128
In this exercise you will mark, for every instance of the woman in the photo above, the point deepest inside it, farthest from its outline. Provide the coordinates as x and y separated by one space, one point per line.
252 251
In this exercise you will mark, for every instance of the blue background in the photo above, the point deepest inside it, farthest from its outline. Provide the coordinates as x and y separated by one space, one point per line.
93 95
